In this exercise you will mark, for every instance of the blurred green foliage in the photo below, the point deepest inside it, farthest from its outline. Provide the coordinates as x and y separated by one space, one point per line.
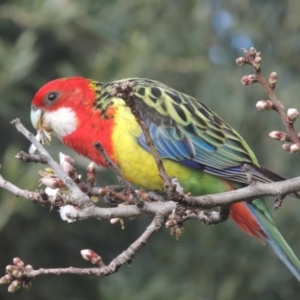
192 46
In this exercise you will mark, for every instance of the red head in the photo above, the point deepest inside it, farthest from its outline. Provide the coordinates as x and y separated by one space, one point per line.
66 107
54 106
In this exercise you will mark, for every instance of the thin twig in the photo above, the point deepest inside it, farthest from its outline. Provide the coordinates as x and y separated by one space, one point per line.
37 197
250 58
80 198
26 157
205 202
26 273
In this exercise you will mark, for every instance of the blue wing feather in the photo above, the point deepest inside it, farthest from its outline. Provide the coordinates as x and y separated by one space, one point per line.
184 130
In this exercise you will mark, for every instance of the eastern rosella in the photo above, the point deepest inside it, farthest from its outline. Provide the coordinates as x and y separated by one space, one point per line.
201 150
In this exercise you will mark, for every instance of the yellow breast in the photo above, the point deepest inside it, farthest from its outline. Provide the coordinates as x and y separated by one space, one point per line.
136 164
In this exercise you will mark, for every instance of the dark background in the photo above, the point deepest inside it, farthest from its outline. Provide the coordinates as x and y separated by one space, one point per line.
191 46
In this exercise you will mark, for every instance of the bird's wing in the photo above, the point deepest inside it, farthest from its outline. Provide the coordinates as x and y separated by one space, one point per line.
185 130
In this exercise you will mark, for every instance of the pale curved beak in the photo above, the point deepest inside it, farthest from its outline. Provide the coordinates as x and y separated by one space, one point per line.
35 116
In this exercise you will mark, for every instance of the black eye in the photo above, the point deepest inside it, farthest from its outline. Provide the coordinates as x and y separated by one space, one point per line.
52 96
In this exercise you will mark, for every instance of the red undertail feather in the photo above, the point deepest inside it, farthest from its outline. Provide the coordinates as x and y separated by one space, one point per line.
242 216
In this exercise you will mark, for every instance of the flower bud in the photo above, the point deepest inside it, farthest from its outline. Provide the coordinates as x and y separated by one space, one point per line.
295 148
67 167
287 147
91 167
273 78
264 105
114 220
18 262
249 79
256 62
16 274
14 286
240 61
67 164
51 192
10 268
51 182
29 268
67 158
292 115
252 51
91 173
279 135
68 209
5 279
91 256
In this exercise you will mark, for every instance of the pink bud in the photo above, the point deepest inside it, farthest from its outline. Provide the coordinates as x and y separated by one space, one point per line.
240 61
114 220
67 167
252 51
292 114
51 192
91 167
63 157
18 262
264 105
51 182
273 78
91 173
249 79
29 268
14 286
278 135
91 256
5 279
295 148
68 209
287 147
17 274
256 62
10 268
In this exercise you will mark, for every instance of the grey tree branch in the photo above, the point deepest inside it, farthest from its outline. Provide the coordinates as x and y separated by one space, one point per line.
205 202
18 273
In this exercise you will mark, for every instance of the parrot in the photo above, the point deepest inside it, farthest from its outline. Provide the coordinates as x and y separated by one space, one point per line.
204 153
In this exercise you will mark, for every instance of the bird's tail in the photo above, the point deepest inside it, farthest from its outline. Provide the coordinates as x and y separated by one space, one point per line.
255 219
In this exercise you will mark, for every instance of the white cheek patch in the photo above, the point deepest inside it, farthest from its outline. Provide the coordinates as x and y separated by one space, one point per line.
63 121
